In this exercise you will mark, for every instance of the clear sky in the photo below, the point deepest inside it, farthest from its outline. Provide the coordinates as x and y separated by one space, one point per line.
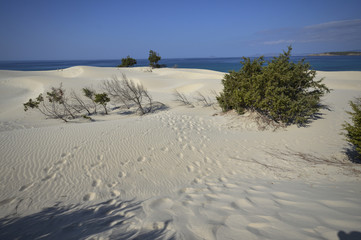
108 29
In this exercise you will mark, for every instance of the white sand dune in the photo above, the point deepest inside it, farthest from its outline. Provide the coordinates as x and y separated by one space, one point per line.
187 173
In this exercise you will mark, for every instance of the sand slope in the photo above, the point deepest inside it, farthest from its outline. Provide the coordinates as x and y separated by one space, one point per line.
187 173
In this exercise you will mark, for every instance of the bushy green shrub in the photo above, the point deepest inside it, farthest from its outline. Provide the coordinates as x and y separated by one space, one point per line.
153 59
283 91
353 134
128 62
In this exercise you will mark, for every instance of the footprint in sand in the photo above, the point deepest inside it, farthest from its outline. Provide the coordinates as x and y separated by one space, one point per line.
7 201
115 193
96 183
207 160
61 162
26 187
162 204
222 179
190 168
89 197
48 177
97 164
218 163
110 185
165 149
180 155
197 180
142 159
122 174
76 147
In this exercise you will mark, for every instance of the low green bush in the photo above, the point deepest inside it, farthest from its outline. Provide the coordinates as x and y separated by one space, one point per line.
284 91
128 62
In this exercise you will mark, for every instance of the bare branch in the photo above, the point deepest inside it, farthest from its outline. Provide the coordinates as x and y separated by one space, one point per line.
79 104
114 89
127 92
182 98
206 101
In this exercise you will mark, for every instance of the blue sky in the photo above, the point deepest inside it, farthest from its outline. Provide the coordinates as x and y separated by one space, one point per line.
105 29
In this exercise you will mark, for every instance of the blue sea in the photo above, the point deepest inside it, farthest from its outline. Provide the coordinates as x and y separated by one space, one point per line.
321 63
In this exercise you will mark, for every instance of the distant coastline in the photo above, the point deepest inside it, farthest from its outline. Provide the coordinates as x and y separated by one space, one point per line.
348 53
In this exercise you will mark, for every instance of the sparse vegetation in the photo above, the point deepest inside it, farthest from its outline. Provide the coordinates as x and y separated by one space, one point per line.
102 99
79 104
125 91
56 105
153 59
200 99
206 101
57 96
137 94
182 98
353 130
129 93
128 62
284 91
115 90
90 94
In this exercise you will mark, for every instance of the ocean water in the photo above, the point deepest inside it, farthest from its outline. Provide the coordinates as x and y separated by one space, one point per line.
321 63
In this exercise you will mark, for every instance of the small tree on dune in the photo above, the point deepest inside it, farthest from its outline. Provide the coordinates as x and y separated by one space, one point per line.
102 99
57 95
128 62
56 105
153 59
90 94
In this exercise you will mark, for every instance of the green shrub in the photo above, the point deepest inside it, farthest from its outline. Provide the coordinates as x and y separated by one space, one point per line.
102 99
128 62
353 134
55 105
283 91
90 94
153 59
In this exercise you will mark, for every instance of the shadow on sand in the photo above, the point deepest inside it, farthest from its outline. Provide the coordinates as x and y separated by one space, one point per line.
352 154
114 218
349 236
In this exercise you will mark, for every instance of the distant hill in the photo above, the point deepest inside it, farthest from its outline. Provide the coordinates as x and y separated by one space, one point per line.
347 53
